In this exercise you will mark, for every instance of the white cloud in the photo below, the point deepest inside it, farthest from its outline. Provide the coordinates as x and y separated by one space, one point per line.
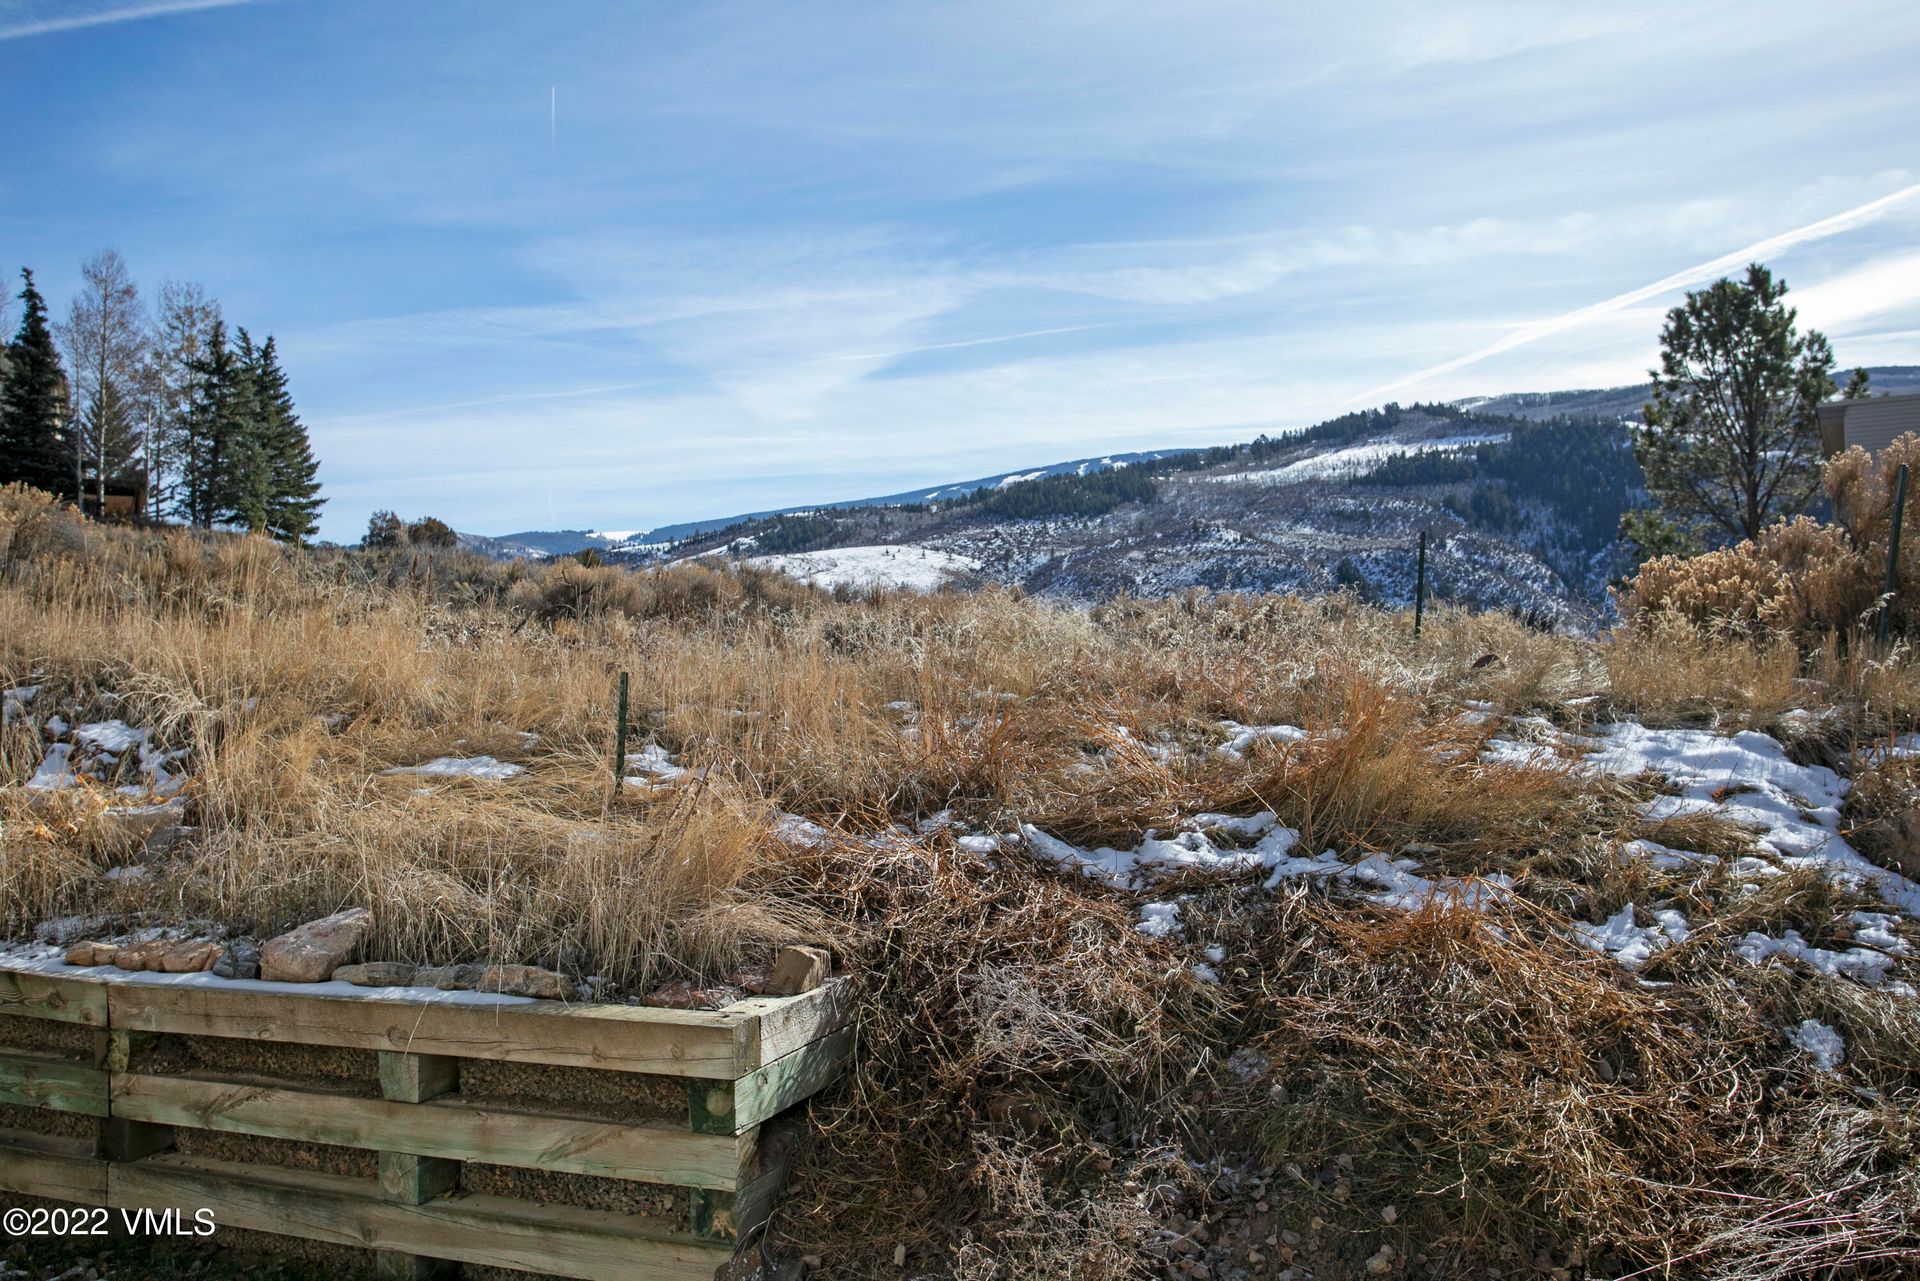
18 21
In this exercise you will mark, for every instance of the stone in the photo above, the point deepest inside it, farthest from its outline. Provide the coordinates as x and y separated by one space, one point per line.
164 840
140 956
240 959
799 969
377 974
449 978
310 953
188 958
91 953
524 980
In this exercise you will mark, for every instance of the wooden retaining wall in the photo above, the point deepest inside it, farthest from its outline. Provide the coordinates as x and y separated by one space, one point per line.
735 1069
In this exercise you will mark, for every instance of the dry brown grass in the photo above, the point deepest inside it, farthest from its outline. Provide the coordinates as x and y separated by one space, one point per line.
1030 1061
1508 1093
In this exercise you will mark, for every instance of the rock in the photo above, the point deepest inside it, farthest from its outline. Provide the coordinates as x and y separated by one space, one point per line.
188 958
799 969
165 839
140 956
377 974
524 980
240 959
312 952
90 953
676 994
450 978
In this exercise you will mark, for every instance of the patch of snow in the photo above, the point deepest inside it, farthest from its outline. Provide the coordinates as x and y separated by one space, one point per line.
1857 962
794 830
1633 945
1160 920
462 767
1746 778
654 761
13 702
1354 459
913 568
1155 855
979 843
1821 1043
1245 736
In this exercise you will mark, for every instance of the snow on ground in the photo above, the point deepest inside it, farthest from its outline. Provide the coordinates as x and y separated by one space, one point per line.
1747 779
657 766
1245 736
1633 945
97 751
462 767
920 569
1186 851
40 958
1355 459
1822 1044
14 702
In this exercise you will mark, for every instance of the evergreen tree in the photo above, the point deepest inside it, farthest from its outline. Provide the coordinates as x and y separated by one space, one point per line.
34 446
247 475
1731 441
213 426
293 501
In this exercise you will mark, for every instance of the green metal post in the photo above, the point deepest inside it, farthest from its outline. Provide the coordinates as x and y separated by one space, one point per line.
1420 585
620 737
1893 547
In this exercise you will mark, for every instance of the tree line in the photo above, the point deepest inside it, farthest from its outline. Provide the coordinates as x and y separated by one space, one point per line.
165 407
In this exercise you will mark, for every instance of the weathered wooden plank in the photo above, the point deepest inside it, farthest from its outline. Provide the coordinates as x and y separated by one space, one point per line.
416 1180
555 1239
732 1107
54 996
687 1043
43 1081
57 1168
447 1128
415 1078
783 1024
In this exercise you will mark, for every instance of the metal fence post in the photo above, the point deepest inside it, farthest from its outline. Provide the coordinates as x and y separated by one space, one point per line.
620 737
1420 585
1893 548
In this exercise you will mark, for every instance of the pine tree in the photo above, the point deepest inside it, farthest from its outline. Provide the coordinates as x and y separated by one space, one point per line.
34 446
213 426
246 489
293 504
1732 440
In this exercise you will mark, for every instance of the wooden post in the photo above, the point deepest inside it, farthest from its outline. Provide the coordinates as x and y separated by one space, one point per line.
1893 548
415 1180
118 1139
1420 585
620 738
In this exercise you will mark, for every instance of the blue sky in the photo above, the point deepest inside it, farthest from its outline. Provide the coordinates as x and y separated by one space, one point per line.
618 265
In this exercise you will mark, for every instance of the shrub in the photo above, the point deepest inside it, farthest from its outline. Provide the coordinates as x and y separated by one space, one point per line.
1799 577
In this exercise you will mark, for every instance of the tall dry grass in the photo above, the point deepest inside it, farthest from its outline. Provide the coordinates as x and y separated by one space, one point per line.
1030 1059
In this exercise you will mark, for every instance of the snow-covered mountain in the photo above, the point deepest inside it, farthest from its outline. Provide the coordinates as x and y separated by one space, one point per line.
1519 495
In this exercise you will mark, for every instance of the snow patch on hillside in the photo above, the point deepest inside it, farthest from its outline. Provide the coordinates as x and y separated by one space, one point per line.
920 569
1354 459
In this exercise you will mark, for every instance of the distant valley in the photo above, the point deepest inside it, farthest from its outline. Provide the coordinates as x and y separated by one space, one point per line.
1520 496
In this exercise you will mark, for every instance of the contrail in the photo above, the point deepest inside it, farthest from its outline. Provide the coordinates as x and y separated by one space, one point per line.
105 17
1846 221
